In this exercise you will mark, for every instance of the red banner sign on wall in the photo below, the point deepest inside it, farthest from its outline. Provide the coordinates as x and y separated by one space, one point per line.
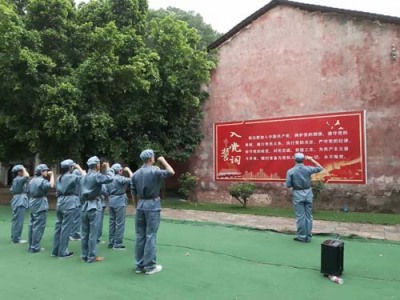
263 150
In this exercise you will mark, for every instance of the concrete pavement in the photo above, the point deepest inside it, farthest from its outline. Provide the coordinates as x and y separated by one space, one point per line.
286 225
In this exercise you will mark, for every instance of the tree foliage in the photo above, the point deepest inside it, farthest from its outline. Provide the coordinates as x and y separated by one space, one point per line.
194 20
98 79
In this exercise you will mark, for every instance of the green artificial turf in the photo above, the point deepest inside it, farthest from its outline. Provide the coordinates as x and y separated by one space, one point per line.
201 261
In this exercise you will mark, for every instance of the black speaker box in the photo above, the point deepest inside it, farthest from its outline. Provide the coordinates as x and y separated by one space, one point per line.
332 255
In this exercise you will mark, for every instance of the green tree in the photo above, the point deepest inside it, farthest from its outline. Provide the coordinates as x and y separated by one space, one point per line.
23 69
20 6
10 38
116 74
193 19
176 102
130 14
98 79
53 20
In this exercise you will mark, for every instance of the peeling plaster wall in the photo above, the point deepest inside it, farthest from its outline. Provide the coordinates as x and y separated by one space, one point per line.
295 62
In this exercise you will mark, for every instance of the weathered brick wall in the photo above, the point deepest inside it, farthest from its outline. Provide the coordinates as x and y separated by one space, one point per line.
294 62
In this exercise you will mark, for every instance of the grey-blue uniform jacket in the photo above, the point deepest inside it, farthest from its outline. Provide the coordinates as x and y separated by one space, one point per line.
37 190
78 188
91 186
66 190
103 195
299 178
117 191
146 184
19 190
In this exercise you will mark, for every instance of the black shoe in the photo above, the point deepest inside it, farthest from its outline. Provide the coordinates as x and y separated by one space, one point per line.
19 242
110 246
69 254
299 240
140 270
121 247
36 251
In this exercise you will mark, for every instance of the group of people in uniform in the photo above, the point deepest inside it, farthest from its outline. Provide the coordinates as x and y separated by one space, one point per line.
81 203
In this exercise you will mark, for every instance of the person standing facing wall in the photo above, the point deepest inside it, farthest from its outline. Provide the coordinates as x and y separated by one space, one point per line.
91 186
145 185
76 226
66 207
38 205
103 197
19 202
117 204
299 179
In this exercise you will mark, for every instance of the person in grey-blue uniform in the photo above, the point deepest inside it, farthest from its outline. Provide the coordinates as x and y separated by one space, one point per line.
117 206
66 186
91 185
76 224
103 197
38 205
299 179
19 202
145 185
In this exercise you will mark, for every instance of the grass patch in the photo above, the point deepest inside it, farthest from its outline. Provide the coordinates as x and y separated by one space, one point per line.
339 216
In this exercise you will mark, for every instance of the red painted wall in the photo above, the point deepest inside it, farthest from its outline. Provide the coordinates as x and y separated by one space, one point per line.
294 62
